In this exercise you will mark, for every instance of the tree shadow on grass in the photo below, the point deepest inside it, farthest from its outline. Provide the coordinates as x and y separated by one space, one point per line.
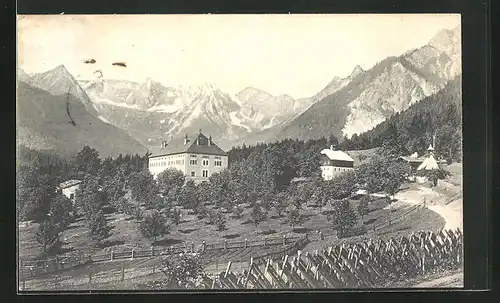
267 232
301 230
231 236
187 231
368 222
167 242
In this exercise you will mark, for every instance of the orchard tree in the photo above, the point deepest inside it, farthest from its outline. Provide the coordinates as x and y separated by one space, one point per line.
394 176
176 216
237 211
294 217
87 161
98 227
280 204
61 210
114 189
143 187
363 205
189 196
154 225
181 270
257 214
35 192
343 217
89 197
47 235
170 180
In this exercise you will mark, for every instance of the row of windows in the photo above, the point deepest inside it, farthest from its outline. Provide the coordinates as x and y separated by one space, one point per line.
203 172
205 162
336 168
170 157
165 163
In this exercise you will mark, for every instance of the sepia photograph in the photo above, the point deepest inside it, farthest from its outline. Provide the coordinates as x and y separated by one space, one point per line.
239 151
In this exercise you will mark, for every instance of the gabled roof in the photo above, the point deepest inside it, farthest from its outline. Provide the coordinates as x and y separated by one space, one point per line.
336 155
412 159
429 164
178 146
69 183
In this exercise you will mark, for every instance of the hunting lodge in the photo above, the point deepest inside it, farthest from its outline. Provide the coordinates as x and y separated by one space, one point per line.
197 158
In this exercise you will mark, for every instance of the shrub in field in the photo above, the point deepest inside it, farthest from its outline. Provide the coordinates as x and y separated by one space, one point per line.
154 225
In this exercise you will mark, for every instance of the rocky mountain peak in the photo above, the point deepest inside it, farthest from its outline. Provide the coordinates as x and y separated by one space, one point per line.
358 70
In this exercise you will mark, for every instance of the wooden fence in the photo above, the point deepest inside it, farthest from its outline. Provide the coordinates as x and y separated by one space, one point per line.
34 268
362 265
101 278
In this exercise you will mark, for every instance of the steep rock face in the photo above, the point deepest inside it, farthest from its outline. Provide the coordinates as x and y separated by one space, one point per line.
389 87
61 123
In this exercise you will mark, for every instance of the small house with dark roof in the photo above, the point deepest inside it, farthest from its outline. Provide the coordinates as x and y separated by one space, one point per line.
197 157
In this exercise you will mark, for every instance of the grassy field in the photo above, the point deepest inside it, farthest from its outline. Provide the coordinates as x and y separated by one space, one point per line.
126 235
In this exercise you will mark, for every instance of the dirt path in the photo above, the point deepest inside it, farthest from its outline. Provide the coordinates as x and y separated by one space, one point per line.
435 201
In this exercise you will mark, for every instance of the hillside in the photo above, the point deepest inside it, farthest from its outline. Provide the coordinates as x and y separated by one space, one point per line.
389 87
412 129
43 123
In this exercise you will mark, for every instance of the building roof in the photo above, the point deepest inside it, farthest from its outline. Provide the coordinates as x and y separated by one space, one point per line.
428 164
412 159
69 183
336 155
178 146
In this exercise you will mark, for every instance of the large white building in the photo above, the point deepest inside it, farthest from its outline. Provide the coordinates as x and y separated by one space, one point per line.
334 162
197 159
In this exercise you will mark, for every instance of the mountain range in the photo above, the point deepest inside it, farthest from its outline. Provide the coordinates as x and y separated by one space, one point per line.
151 112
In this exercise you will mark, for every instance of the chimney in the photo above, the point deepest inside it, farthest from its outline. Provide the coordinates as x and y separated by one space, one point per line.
210 140
186 140
164 144
331 147
198 138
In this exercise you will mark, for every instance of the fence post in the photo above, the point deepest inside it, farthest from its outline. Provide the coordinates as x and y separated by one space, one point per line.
225 244
192 247
246 243
203 245
152 251
133 253
112 255
284 240
321 235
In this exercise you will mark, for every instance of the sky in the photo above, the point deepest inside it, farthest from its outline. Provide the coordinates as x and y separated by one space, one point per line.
289 54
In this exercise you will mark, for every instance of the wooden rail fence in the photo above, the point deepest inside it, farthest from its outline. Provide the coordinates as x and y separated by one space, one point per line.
33 268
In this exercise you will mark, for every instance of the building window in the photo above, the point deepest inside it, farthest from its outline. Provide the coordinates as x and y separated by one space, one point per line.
205 173
192 174
217 157
218 162
193 156
205 162
205 157
193 162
